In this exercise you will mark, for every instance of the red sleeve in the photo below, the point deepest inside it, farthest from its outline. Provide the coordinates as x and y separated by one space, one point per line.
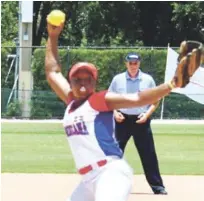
98 102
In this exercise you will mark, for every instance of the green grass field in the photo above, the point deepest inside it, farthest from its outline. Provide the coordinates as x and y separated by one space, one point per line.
43 148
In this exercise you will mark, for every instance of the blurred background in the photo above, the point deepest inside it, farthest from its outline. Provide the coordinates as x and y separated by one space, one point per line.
98 32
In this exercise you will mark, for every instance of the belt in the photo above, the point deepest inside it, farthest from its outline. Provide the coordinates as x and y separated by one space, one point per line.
88 168
130 115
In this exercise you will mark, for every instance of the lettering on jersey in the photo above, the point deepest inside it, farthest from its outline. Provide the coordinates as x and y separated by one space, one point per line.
77 128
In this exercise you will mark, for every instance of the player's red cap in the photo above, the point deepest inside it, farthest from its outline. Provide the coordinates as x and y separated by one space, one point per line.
85 66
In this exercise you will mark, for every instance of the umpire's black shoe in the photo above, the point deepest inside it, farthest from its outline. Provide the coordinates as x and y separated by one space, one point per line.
160 192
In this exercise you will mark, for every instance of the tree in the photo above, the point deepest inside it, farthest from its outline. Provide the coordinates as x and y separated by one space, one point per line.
40 12
72 33
188 20
9 32
113 21
155 18
9 22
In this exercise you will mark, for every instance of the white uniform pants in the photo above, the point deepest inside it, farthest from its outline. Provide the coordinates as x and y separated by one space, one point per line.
111 182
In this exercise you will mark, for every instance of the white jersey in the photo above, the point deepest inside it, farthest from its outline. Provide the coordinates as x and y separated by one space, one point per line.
90 131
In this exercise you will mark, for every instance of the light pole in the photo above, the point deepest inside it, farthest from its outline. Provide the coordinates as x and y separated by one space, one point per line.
25 81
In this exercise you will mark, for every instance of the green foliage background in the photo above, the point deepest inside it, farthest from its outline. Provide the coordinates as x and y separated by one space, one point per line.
109 62
108 24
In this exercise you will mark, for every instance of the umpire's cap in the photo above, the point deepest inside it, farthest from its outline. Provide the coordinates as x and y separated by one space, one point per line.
132 57
85 66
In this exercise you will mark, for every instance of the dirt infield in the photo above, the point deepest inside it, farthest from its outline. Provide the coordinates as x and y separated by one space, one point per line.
57 187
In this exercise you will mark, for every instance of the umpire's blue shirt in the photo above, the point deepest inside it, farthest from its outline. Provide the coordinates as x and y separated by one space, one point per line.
123 83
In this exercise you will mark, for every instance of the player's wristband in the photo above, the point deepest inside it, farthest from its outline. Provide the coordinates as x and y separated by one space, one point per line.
171 85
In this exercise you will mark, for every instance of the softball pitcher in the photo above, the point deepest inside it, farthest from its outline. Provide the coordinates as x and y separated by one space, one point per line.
88 123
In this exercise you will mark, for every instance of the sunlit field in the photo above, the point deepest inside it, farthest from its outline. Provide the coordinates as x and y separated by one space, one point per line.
43 148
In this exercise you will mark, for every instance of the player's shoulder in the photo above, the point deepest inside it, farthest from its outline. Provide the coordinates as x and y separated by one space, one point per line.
97 101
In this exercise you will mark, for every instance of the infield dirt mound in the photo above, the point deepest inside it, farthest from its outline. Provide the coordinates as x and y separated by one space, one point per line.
57 187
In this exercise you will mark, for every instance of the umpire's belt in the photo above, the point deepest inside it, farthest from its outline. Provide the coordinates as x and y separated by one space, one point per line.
130 116
88 168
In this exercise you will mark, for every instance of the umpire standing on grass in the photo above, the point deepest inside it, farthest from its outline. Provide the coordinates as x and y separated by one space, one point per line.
135 122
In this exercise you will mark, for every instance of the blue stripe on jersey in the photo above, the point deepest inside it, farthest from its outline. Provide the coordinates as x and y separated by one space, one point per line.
104 134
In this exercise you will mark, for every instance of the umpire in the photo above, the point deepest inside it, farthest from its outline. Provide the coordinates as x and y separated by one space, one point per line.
135 122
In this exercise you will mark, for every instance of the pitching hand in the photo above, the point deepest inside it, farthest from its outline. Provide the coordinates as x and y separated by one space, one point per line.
54 31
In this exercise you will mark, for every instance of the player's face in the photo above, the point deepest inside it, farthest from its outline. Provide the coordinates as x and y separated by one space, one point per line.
133 67
82 84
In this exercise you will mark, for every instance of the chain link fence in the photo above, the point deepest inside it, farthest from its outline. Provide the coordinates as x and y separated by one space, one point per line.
43 103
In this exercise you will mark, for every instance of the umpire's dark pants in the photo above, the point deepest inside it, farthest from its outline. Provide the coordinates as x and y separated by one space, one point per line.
143 139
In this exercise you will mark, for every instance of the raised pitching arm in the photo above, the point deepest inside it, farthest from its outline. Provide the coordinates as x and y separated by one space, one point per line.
56 80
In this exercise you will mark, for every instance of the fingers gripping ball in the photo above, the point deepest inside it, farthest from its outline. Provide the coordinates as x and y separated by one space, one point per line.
56 17
191 56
